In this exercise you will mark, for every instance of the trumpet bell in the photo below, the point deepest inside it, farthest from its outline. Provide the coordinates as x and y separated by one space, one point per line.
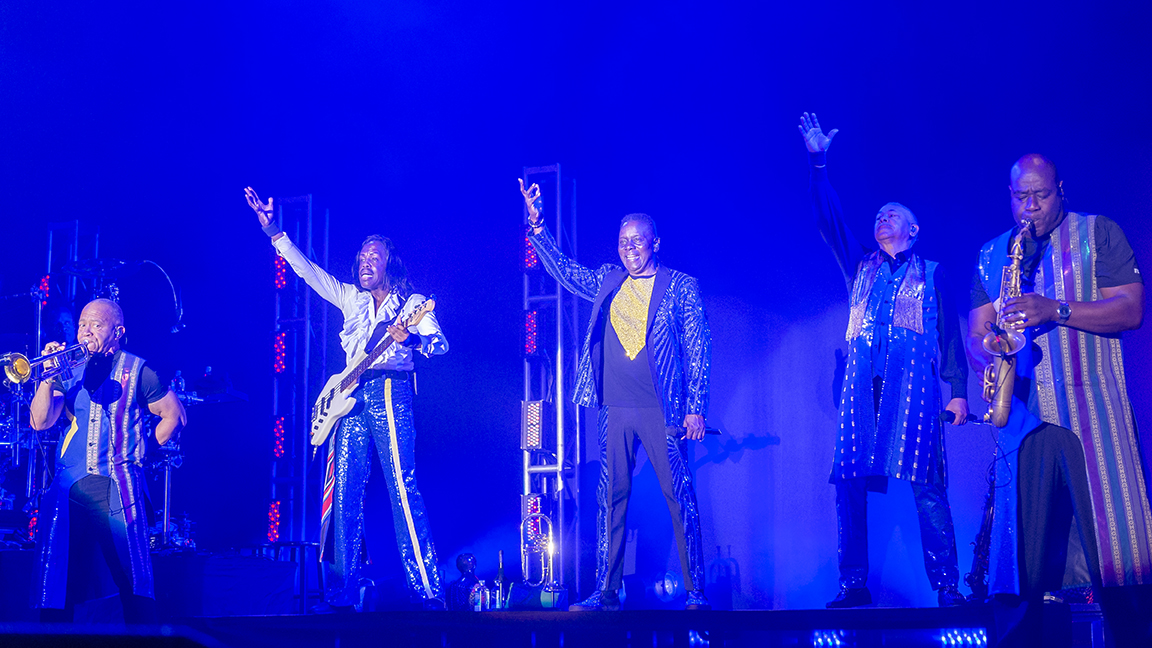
17 369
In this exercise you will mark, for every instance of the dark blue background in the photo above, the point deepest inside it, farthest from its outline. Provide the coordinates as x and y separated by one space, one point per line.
413 119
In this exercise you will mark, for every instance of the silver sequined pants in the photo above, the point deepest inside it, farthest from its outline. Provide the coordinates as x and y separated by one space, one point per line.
384 417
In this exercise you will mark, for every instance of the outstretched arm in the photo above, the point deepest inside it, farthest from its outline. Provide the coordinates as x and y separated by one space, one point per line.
577 279
825 201
324 284
263 213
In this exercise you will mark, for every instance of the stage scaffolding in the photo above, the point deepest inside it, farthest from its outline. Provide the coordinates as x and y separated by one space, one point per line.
550 422
300 348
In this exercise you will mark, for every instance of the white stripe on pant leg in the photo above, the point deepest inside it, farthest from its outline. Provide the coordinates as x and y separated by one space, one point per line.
402 490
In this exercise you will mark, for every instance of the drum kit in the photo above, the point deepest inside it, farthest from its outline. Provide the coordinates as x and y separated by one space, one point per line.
27 454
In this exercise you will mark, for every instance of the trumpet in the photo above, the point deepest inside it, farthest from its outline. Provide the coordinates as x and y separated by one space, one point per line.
1004 342
18 369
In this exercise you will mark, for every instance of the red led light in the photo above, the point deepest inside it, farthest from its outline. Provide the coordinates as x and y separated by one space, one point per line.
45 284
281 273
32 519
530 332
530 258
279 352
274 521
278 437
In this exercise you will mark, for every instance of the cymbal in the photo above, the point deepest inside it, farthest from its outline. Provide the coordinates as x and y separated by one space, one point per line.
93 268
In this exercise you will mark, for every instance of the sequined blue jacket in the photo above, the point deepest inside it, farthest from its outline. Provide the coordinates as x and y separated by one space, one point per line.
679 341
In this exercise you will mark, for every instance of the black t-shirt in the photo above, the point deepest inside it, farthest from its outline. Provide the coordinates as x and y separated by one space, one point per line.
149 389
627 383
1115 262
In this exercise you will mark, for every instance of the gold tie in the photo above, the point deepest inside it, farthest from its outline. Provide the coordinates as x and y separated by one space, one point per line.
629 314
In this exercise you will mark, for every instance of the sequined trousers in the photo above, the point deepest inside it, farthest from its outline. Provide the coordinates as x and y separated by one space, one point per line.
383 416
937 535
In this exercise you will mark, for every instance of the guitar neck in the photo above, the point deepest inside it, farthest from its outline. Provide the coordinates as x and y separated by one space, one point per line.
359 369
412 320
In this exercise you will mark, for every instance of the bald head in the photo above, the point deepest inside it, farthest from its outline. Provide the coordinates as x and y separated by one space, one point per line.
1034 163
100 327
1036 193
115 314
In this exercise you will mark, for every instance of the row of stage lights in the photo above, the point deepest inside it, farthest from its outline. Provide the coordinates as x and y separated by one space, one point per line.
279 366
955 637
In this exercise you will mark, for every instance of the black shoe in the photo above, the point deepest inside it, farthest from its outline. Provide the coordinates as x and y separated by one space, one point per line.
949 596
599 601
850 597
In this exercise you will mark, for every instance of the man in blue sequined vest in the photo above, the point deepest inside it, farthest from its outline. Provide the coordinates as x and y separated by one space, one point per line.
95 509
903 337
644 363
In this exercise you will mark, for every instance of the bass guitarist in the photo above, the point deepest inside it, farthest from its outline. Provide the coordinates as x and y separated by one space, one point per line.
383 416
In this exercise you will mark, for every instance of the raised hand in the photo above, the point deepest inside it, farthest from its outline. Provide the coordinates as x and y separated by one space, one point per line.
263 211
814 138
531 195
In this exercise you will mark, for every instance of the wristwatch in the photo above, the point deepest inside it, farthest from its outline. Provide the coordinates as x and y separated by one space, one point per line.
1063 312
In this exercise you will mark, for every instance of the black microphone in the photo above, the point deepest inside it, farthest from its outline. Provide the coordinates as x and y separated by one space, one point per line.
680 430
950 417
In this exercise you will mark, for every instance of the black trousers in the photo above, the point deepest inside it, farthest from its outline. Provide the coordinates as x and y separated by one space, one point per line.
1054 506
937 535
626 427
90 549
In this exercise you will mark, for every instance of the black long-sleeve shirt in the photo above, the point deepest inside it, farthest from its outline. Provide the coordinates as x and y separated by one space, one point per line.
849 251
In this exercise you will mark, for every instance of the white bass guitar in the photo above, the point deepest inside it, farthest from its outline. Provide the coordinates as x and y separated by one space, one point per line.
336 399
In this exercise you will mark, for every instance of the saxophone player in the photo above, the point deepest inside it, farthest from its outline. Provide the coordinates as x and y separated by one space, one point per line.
902 333
1078 493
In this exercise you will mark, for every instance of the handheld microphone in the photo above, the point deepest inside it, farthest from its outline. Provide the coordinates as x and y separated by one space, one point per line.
949 417
680 430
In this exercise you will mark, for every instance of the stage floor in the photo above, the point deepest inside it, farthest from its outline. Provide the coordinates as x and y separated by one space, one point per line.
861 627
888 627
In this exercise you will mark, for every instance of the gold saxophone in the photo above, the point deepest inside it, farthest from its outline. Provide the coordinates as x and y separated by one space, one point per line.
1003 342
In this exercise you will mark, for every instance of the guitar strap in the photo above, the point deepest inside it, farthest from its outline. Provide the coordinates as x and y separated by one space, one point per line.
380 331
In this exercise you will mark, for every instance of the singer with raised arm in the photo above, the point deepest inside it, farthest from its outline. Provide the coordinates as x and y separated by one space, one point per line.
903 332
94 513
645 364
1076 509
374 310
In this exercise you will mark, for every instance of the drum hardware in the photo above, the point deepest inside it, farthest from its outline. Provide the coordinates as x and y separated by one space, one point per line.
170 458
107 269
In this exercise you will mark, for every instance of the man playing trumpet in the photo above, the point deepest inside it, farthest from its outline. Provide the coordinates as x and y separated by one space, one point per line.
95 508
